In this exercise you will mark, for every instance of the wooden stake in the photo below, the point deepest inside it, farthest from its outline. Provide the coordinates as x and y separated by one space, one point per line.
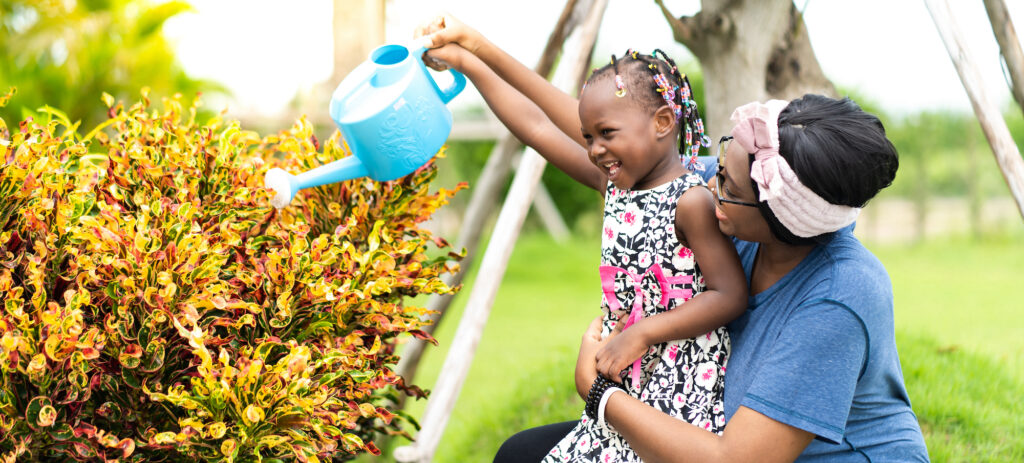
492 270
1009 46
1003 147
481 205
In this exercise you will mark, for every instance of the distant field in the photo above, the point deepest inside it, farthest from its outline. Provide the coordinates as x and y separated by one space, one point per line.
958 315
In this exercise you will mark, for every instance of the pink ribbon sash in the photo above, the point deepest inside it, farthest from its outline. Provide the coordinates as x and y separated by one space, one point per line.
608 273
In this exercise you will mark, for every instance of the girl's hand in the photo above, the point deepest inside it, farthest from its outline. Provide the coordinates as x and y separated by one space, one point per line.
451 55
445 29
620 351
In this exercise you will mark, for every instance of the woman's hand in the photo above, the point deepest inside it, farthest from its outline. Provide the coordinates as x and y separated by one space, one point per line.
586 365
620 351
443 30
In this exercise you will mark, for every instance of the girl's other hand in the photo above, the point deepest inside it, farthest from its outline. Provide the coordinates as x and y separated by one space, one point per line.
620 351
451 55
445 29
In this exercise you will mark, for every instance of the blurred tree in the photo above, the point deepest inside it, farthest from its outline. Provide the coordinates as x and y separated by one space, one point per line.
748 50
67 53
358 29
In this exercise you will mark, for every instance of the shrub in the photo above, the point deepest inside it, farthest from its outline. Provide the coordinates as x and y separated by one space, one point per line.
154 306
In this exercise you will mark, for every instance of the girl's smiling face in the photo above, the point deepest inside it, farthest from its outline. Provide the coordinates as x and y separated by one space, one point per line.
633 147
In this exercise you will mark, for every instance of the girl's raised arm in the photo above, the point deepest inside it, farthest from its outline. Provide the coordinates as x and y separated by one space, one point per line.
524 118
560 107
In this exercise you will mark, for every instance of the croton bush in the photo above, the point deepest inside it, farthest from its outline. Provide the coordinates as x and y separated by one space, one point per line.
154 306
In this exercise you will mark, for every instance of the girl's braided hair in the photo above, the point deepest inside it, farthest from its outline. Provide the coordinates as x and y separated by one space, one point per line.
654 82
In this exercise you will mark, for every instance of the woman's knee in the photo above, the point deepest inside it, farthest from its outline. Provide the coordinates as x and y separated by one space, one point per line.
532 445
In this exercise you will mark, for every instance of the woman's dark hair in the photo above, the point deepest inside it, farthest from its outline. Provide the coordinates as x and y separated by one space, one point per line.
837 150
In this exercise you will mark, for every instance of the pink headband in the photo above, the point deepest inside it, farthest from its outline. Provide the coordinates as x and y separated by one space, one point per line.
800 210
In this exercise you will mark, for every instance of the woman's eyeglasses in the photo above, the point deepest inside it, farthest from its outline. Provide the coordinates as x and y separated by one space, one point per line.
723 145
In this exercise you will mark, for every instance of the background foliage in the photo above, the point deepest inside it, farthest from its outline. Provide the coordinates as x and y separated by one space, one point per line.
65 53
155 307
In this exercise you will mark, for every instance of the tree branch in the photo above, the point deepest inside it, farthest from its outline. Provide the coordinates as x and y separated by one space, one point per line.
681 31
1009 46
556 39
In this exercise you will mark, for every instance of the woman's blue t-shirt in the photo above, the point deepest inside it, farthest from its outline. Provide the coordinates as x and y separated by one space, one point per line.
817 351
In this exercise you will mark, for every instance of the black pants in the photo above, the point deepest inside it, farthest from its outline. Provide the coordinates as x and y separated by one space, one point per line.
532 445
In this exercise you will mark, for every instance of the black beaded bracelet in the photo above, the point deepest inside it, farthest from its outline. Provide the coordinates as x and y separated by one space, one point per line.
594 395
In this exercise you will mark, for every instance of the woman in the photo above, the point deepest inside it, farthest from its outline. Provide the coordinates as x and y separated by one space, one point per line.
814 373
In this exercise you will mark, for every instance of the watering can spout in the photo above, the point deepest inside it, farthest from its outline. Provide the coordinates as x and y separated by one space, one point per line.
392 114
285 185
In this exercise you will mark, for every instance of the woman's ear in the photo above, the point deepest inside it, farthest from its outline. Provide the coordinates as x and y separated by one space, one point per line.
664 122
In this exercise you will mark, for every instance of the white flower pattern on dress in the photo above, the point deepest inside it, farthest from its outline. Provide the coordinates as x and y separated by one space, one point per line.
683 378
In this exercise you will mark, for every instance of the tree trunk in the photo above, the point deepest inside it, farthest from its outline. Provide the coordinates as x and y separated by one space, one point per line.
358 27
748 50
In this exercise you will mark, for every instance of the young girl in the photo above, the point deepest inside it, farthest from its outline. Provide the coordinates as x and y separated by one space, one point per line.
661 245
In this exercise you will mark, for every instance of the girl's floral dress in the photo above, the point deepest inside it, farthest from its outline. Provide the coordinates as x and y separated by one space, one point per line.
645 270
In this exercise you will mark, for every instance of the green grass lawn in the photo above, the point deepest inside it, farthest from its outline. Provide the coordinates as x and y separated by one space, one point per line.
959 330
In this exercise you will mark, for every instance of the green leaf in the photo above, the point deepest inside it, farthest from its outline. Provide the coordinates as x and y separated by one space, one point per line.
153 359
361 376
55 113
62 431
152 19
313 327
40 412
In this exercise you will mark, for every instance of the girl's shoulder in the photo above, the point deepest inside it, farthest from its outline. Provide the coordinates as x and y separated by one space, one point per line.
685 183
671 190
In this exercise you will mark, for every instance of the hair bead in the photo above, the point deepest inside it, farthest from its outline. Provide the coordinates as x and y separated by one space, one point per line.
620 87
674 88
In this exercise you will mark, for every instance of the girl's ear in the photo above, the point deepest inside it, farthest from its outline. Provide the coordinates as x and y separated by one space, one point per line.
664 122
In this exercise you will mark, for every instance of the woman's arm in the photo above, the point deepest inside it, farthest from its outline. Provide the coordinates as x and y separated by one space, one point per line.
749 436
656 436
559 107
523 118
724 298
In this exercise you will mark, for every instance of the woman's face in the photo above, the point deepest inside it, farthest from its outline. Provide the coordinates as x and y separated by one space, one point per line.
736 213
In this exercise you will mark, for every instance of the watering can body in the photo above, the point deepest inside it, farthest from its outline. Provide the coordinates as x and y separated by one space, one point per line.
392 114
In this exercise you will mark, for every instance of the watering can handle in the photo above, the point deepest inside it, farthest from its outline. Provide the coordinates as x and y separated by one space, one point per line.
458 80
458 83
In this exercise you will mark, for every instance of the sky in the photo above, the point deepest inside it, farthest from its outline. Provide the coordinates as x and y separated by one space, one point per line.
887 50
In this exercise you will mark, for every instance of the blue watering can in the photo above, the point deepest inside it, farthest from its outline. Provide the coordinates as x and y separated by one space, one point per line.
392 114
